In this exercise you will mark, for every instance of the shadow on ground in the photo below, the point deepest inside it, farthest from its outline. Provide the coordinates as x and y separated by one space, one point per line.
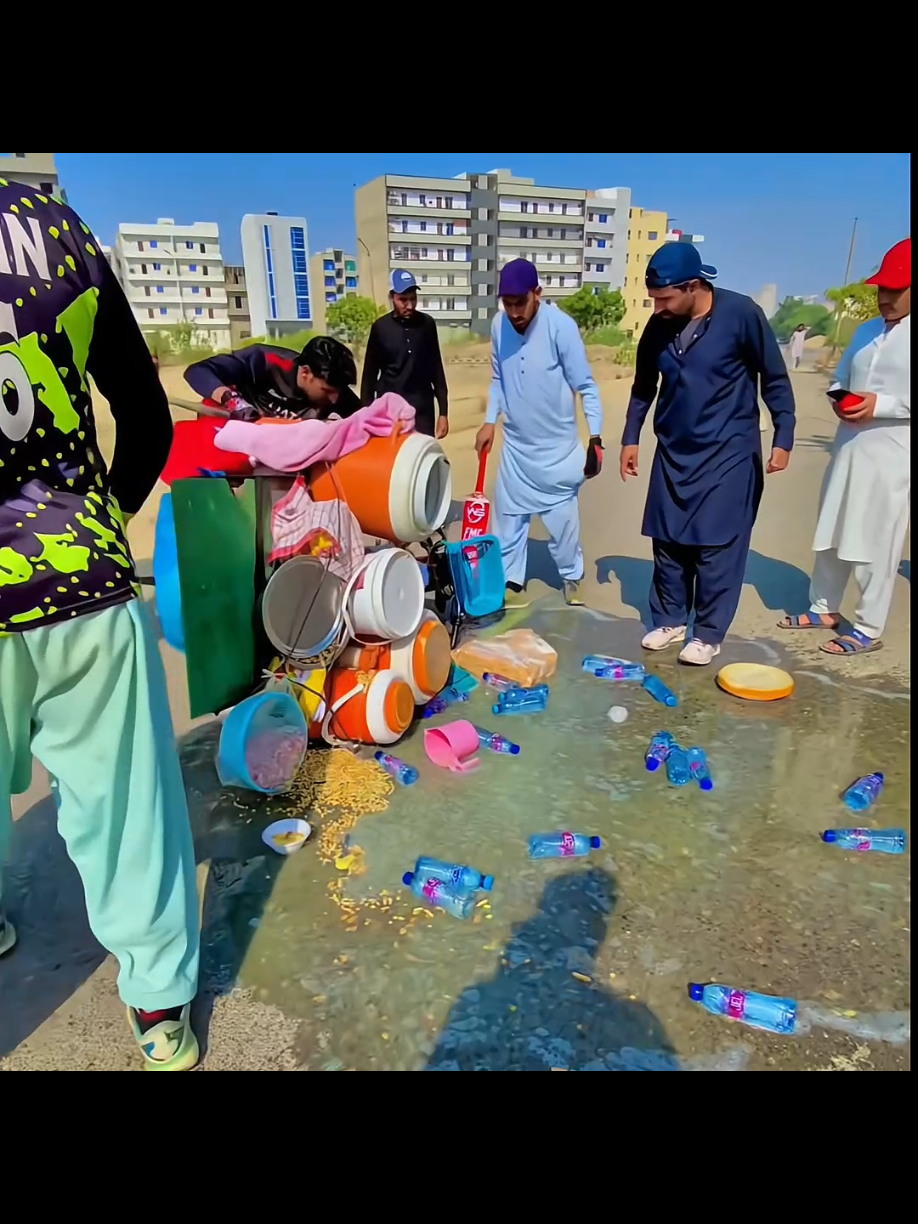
542 1010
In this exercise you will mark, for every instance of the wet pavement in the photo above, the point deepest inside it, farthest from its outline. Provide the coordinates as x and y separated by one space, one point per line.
583 965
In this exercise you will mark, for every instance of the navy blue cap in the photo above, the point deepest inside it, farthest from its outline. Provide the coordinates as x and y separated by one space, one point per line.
517 278
514 750
487 883
830 835
408 878
401 281
695 992
674 264
595 843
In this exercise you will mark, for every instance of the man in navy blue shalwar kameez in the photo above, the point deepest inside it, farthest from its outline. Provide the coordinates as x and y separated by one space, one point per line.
707 348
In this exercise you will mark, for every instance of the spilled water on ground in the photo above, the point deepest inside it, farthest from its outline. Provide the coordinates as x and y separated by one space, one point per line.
583 965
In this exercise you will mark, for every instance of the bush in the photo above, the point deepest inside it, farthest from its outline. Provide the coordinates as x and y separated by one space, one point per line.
612 337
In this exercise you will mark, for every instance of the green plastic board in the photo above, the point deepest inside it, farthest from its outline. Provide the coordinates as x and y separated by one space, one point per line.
216 542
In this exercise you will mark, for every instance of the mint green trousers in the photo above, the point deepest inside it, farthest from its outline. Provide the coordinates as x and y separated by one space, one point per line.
88 699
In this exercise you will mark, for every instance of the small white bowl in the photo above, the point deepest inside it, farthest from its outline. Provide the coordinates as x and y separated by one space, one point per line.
290 825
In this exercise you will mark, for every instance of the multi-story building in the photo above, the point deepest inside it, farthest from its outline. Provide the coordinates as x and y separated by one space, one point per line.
237 304
606 237
173 274
275 252
333 274
36 169
646 233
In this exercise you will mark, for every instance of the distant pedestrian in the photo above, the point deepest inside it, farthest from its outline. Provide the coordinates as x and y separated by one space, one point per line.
710 348
795 346
403 355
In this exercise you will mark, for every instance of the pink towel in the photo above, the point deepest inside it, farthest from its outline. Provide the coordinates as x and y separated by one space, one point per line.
291 448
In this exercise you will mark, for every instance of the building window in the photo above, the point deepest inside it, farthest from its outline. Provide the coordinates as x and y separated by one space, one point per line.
192 267
652 235
331 297
351 282
330 281
143 268
157 267
163 310
269 262
160 289
601 242
600 267
207 292
603 218
422 199
189 246
210 312
139 246
350 266
237 302
201 247
302 308
153 245
328 265
647 303
199 310
151 313
146 290
195 288
47 188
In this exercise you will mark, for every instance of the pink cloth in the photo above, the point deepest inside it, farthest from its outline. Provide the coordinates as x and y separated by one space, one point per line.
291 448
327 530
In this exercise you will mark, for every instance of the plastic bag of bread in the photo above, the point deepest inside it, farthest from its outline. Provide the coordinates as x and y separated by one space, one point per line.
520 655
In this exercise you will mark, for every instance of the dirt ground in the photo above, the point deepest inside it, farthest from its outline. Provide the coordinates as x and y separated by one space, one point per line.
66 1035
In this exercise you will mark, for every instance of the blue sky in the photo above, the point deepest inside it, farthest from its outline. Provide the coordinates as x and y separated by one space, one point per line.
782 217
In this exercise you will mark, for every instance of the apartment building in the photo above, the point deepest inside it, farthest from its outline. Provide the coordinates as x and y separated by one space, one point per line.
173 274
647 232
334 275
38 170
275 252
605 243
237 303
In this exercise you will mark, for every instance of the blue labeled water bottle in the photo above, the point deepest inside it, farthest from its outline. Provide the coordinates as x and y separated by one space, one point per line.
659 749
496 743
592 663
621 671
455 901
449 696
862 793
886 841
562 845
658 690
522 701
501 683
757 1010
455 874
701 772
678 767
403 773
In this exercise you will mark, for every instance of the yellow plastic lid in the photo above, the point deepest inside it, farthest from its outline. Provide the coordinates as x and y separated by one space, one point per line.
755 681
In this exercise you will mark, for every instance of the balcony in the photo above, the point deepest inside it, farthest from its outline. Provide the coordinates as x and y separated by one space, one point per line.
551 244
542 217
426 237
416 263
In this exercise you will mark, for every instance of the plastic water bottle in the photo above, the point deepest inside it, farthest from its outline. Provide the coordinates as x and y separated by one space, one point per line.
862 793
562 845
449 696
401 771
522 701
678 767
701 772
455 901
501 683
757 1010
621 671
465 879
658 750
887 841
658 690
592 663
496 743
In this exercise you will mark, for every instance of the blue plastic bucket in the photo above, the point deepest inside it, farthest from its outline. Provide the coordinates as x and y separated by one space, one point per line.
166 576
252 723
478 575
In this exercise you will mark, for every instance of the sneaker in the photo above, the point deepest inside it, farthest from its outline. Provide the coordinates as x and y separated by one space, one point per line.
167 1045
515 599
7 935
659 639
699 654
572 596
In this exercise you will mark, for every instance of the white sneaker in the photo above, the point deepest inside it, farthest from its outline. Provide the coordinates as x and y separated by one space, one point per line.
659 639
698 653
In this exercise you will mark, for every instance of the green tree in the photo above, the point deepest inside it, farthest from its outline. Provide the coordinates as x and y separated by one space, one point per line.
351 318
857 301
593 310
792 312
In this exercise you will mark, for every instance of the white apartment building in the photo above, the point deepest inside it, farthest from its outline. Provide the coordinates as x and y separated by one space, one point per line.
542 224
275 252
173 274
38 170
605 243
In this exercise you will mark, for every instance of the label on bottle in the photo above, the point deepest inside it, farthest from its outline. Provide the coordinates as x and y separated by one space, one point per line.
863 839
736 1004
431 890
456 876
568 845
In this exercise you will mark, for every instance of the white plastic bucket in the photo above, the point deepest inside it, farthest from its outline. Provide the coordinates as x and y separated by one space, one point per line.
386 599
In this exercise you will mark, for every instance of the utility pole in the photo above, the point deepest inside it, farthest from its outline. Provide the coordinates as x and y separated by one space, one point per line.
840 308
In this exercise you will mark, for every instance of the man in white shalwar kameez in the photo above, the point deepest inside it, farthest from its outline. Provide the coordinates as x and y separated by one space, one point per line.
864 509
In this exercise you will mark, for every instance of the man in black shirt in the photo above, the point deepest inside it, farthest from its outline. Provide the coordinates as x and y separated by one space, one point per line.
403 355
262 380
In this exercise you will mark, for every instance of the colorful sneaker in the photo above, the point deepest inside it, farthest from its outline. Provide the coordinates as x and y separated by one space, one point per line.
7 935
659 639
515 599
572 595
167 1044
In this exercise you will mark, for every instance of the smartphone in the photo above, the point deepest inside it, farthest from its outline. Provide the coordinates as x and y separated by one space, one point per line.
845 400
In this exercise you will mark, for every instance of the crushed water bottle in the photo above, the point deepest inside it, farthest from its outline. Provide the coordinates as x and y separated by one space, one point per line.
862 793
701 772
658 690
678 767
501 683
658 750
886 841
496 743
449 696
562 845
465 879
621 671
455 901
401 771
522 701
592 663
757 1010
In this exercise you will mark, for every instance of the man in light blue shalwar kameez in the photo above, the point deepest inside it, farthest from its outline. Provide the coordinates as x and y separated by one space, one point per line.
538 364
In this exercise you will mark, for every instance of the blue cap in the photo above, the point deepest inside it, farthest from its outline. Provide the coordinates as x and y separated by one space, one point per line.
830 835
674 264
517 278
595 843
401 281
695 992
408 878
514 750
487 883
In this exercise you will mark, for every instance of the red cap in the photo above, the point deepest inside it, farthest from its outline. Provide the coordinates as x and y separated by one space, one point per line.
896 269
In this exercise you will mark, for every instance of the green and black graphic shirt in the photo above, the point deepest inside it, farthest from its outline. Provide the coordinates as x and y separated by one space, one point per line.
64 318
